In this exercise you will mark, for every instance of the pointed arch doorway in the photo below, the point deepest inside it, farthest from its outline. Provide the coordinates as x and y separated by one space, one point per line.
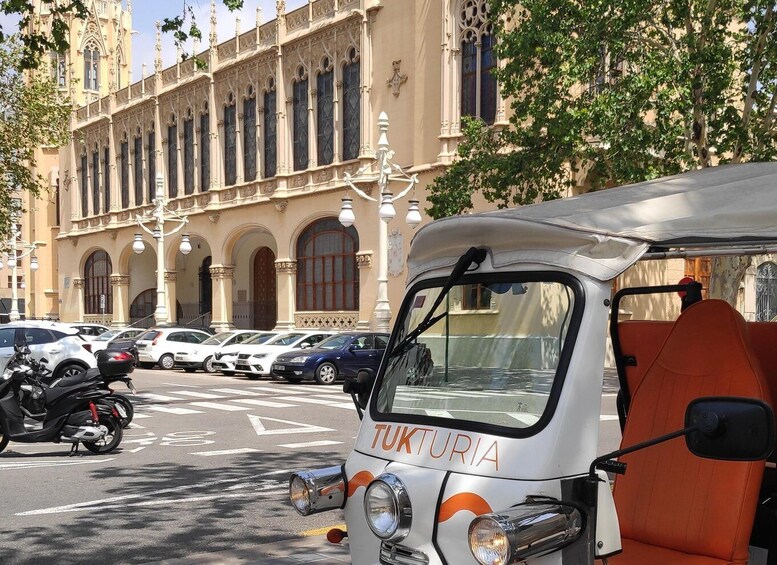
265 290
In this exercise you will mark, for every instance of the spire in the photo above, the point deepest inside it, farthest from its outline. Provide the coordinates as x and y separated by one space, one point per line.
280 8
158 47
213 36
237 27
129 6
258 16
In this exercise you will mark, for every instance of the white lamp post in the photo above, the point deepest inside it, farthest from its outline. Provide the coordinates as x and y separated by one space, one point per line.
387 172
17 249
157 217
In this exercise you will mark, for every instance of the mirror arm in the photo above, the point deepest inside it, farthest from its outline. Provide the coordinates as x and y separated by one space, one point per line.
620 467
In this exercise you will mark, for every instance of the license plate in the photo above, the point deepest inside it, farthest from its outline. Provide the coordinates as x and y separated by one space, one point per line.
279 367
241 367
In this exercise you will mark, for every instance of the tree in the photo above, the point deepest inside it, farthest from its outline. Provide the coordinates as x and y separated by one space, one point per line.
610 92
34 115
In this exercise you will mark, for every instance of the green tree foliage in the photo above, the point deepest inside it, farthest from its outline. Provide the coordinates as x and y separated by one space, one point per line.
618 91
34 115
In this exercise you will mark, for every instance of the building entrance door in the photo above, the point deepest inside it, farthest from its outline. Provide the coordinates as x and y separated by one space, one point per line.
265 299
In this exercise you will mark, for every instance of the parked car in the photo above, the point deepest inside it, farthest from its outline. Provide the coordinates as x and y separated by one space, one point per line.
90 331
65 350
110 339
202 356
159 345
224 360
337 357
256 360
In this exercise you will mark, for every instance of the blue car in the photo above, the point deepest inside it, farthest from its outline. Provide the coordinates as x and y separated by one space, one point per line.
336 357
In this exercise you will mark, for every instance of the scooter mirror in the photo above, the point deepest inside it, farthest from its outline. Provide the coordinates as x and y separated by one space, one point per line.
730 428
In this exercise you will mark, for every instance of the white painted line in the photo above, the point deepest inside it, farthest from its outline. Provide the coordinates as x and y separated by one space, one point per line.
440 413
277 390
425 394
267 403
173 410
321 443
157 397
299 427
217 406
179 384
346 405
329 390
134 426
138 449
42 464
136 416
238 392
608 417
226 452
196 394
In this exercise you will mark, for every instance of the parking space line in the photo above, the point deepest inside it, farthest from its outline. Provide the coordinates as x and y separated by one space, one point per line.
217 406
318 401
267 403
157 397
284 390
171 410
226 452
196 394
320 443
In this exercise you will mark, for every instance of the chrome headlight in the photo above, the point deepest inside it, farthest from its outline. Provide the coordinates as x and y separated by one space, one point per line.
298 359
387 508
527 530
317 490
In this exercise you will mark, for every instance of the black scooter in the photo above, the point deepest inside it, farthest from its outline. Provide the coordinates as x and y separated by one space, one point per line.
73 414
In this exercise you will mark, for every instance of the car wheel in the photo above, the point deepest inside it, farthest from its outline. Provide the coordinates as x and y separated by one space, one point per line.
70 370
326 374
207 365
166 361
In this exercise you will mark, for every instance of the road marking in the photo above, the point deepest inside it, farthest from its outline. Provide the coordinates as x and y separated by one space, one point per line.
608 417
226 452
321 443
417 395
524 418
136 416
267 403
178 384
300 428
172 409
196 394
328 390
238 392
439 413
217 406
278 390
43 464
157 397
138 449
319 401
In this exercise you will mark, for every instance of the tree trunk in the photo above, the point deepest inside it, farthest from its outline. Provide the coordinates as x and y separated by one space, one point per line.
725 277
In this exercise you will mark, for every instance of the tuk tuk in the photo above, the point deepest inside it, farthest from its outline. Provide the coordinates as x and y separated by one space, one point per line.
478 443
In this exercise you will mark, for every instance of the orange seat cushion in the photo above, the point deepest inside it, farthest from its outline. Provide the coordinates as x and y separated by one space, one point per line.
669 499
635 553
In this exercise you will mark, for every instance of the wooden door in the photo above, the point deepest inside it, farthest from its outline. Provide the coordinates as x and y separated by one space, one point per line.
265 291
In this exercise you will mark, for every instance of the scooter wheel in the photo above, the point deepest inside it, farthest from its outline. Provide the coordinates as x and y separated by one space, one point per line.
111 440
129 409
3 438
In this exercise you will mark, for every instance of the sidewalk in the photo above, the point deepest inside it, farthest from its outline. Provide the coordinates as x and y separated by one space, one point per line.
297 551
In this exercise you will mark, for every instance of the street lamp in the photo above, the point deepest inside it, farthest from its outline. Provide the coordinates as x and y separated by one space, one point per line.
16 249
158 216
388 172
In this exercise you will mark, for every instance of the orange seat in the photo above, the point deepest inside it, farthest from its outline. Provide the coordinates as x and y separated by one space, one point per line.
675 507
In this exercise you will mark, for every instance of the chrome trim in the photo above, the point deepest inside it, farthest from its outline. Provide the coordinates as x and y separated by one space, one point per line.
325 489
393 554
402 502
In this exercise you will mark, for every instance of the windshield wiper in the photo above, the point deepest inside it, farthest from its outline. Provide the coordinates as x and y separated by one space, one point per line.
472 255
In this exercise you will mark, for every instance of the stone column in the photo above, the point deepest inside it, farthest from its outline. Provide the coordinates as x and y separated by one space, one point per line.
221 317
170 281
286 270
366 290
78 284
121 305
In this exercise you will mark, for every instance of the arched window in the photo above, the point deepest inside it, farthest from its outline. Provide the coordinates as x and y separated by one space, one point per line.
230 142
205 150
351 106
97 282
151 164
327 276
325 126
91 67
58 69
766 292
300 110
172 157
270 132
249 135
478 84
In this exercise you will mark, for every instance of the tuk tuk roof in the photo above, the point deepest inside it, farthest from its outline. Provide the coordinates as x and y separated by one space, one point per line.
601 234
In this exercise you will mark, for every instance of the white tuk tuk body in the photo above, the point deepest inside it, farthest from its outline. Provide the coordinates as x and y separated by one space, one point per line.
496 401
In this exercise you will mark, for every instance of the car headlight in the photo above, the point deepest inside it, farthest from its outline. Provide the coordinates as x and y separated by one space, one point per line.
529 529
259 355
387 508
317 490
298 359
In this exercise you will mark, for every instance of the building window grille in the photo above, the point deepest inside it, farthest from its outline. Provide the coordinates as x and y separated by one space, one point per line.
766 292
230 145
249 138
84 187
106 180
95 182
327 275
172 160
270 135
478 61
124 149
151 165
97 271
325 113
188 156
91 68
300 110
137 171
351 107
204 152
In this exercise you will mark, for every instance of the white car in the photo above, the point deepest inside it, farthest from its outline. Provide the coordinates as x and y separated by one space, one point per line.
256 360
90 331
104 340
202 357
224 359
158 346
66 352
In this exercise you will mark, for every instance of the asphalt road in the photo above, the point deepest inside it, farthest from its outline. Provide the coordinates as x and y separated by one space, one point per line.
203 468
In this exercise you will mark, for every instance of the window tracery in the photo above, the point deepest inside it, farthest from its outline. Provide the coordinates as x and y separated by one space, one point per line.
478 61
84 186
151 163
188 153
270 131
230 141
95 181
91 66
249 135
205 150
106 180
351 105
137 171
172 157
325 113
300 111
125 190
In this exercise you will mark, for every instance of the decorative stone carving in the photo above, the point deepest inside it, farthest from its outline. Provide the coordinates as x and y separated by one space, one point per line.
281 205
364 259
247 191
78 283
187 202
268 187
171 276
203 199
285 266
120 280
222 272
214 217
323 320
397 80
324 175
396 254
228 195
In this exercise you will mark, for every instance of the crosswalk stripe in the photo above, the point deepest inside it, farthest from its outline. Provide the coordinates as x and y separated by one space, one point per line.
284 390
171 410
267 403
136 416
329 390
217 406
320 443
157 397
318 401
196 394
440 413
238 391
226 452
524 418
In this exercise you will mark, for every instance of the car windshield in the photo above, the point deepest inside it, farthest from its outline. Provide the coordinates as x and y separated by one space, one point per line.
107 336
491 356
335 342
258 338
218 338
149 335
285 339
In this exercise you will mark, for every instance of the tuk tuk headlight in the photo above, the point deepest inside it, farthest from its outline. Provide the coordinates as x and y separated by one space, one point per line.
387 508
317 490
530 529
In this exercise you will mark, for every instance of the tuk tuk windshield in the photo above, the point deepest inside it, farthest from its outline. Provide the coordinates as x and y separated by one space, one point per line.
491 357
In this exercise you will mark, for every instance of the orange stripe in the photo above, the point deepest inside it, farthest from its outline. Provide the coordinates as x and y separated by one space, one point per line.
360 479
463 501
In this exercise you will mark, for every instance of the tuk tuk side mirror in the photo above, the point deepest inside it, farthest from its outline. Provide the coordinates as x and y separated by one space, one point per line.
730 429
359 388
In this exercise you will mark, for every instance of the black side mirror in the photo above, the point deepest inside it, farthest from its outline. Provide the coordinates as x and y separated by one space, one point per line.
730 428
360 387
